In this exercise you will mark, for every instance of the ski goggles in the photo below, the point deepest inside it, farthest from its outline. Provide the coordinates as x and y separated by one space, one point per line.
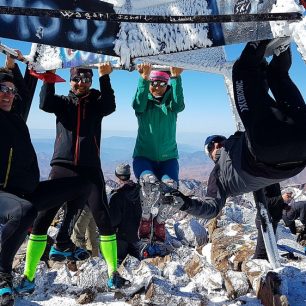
7 89
81 79
159 84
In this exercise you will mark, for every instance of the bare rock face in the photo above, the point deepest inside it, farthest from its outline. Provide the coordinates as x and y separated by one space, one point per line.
87 296
211 226
236 284
191 232
159 262
194 266
230 247
255 269
204 275
162 292
270 291
93 273
176 274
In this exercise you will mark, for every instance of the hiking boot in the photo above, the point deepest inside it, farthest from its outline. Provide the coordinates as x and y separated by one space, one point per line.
159 230
145 227
116 281
73 253
6 289
25 286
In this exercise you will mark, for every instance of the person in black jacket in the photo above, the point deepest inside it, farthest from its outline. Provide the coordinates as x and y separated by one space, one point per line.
21 193
296 210
273 146
125 212
276 204
77 153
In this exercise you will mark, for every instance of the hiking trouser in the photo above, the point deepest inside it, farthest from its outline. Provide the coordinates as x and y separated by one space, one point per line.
163 170
97 202
275 129
85 232
127 248
260 251
17 214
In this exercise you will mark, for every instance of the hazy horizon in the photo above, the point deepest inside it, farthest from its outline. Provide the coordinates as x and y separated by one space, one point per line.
188 138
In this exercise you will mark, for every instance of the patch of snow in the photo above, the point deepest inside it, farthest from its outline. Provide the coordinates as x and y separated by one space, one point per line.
284 28
135 40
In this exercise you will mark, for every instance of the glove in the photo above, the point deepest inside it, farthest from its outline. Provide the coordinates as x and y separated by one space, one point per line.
174 199
301 238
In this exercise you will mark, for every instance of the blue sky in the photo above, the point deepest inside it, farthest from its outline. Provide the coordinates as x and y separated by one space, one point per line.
207 105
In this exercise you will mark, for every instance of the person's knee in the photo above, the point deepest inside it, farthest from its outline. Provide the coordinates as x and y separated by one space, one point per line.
147 177
30 211
169 182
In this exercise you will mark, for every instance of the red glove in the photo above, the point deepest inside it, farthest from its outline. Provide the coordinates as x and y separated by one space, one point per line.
47 77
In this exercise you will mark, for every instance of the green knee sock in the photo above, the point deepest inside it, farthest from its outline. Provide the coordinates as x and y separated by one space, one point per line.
108 248
35 249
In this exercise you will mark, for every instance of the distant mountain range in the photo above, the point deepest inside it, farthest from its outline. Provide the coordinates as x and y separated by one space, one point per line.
194 164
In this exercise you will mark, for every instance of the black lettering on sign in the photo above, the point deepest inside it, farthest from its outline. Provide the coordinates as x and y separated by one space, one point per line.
242 7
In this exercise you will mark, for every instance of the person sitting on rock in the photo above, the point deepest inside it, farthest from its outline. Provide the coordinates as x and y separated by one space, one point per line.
125 212
295 211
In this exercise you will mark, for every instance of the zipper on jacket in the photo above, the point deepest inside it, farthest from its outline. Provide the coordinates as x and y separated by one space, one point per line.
8 169
98 149
77 143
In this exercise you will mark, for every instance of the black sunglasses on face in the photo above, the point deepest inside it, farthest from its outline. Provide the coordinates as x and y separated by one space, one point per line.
159 84
7 89
83 80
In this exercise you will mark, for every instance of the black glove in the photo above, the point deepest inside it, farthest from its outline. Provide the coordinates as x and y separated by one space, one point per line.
174 199
301 238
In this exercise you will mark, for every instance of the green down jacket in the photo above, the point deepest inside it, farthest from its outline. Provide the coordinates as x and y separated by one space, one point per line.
156 137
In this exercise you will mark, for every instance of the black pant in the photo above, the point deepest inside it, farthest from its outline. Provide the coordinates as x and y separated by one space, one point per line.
17 214
275 205
97 202
260 251
124 248
275 129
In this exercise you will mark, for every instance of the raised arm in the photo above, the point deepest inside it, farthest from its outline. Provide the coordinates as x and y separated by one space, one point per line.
107 97
141 97
21 105
177 101
49 101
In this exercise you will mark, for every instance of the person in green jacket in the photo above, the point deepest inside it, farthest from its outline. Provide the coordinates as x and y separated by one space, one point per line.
155 157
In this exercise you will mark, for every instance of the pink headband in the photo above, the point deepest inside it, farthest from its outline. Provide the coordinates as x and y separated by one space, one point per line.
159 76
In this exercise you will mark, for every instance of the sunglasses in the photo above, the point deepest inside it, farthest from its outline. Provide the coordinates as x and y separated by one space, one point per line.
159 84
79 79
7 89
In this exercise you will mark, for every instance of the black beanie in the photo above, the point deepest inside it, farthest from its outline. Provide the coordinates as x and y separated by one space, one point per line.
77 72
6 77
